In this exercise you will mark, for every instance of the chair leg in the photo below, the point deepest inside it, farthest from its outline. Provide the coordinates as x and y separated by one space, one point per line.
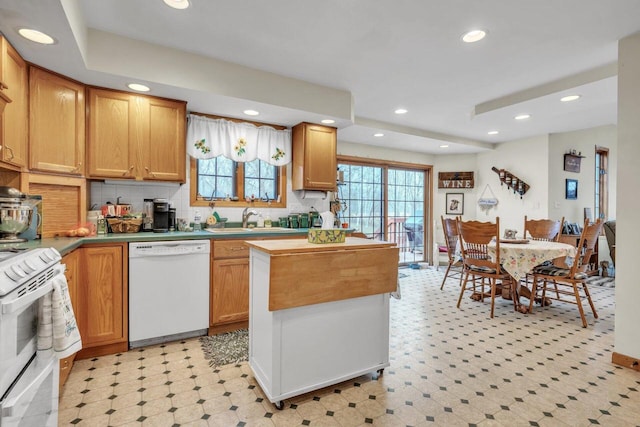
493 284
586 292
464 286
579 303
534 291
446 273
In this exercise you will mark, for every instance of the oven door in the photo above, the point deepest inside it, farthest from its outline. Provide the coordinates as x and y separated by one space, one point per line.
33 399
18 331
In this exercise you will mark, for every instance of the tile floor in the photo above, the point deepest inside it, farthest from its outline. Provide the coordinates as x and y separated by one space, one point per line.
449 367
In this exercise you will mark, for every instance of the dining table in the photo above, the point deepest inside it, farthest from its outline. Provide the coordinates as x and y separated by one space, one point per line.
519 256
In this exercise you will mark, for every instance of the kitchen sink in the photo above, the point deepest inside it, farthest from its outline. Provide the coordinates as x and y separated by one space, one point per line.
252 230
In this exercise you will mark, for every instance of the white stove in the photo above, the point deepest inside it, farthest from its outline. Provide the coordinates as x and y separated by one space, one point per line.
27 380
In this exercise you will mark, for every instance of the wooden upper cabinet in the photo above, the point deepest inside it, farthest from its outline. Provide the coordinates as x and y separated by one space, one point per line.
14 119
314 157
136 137
165 153
56 123
112 134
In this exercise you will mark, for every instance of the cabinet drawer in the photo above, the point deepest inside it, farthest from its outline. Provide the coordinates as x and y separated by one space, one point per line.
230 249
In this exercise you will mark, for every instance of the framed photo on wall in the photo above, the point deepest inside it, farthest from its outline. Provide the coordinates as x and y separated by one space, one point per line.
455 204
571 189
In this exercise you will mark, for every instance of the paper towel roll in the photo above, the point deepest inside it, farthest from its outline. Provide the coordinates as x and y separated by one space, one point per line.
328 219
309 194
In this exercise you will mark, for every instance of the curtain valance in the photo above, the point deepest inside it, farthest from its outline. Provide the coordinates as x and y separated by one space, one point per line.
241 142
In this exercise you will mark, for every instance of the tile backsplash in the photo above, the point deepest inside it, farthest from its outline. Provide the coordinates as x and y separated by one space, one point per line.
134 193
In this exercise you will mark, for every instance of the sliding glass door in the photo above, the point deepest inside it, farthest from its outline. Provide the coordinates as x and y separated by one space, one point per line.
387 202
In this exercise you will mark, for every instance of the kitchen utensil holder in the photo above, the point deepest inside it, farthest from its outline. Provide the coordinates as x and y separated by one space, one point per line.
124 225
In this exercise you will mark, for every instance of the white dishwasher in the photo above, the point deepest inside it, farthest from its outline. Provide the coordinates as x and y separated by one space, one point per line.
168 291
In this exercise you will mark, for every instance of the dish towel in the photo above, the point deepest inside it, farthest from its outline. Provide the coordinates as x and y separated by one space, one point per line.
57 327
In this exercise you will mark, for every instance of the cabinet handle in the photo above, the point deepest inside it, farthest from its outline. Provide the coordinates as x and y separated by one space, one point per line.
149 172
128 171
10 152
77 168
238 248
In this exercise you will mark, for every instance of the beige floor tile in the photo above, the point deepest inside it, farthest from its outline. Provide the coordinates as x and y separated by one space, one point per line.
507 371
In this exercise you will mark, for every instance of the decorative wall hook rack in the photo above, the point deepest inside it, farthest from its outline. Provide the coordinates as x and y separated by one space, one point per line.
513 182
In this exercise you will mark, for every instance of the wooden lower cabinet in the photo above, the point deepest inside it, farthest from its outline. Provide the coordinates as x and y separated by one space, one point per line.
229 291
103 297
72 264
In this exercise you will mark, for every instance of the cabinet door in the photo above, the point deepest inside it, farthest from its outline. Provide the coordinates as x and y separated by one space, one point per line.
314 157
13 148
164 148
56 123
229 291
113 133
102 296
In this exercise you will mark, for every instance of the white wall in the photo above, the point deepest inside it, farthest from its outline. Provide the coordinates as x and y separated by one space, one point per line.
627 289
583 141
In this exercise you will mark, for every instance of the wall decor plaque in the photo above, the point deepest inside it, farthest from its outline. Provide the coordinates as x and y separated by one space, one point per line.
572 162
455 180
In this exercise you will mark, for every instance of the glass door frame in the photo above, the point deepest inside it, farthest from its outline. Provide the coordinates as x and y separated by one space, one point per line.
428 230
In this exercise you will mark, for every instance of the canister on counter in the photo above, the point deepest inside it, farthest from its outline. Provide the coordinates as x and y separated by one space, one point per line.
284 222
304 220
294 221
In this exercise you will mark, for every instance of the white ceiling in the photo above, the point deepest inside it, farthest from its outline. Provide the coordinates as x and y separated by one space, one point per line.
352 60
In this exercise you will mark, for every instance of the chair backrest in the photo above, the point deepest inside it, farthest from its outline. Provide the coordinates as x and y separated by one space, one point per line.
474 238
586 245
543 229
450 236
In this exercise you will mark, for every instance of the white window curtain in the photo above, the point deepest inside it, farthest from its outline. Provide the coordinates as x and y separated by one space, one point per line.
241 142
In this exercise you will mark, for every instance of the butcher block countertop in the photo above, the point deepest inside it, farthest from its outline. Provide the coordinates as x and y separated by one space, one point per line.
302 273
290 246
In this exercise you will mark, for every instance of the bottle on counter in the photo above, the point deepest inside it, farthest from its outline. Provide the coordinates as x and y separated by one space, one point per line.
267 221
102 225
260 222
197 225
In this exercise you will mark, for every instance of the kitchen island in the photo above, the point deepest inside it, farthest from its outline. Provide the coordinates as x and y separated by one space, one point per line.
318 313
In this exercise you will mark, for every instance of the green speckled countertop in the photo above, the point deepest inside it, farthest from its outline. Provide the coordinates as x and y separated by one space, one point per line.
67 244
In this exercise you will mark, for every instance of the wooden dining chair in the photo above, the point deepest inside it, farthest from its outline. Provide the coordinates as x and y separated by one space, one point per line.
454 266
570 283
543 229
475 237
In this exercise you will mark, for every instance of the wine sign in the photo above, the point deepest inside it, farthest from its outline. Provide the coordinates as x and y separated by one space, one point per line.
455 180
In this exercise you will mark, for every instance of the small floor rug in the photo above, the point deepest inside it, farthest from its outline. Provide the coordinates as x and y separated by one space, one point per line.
227 348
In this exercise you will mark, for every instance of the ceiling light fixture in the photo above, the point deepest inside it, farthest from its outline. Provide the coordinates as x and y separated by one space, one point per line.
378 135
401 111
444 146
177 4
474 36
138 87
328 121
522 116
569 98
251 112
36 36
493 132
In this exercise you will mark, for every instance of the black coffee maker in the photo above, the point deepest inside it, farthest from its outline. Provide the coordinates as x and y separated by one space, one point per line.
160 215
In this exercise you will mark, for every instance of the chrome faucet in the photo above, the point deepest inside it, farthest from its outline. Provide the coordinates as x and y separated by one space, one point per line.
246 213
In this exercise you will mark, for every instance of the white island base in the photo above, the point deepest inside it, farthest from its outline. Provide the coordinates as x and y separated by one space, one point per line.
296 350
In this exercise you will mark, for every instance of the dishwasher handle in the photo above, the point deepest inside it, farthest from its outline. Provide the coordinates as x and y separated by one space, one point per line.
168 248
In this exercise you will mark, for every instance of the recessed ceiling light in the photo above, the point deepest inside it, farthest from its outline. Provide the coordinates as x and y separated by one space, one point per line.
177 4
522 116
493 132
474 36
378 135
138 87
569 98
444 146
36 36
251 112
401 111
328 121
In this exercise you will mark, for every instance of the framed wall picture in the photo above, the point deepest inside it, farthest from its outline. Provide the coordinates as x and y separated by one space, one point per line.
572 162
455 203
571 189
